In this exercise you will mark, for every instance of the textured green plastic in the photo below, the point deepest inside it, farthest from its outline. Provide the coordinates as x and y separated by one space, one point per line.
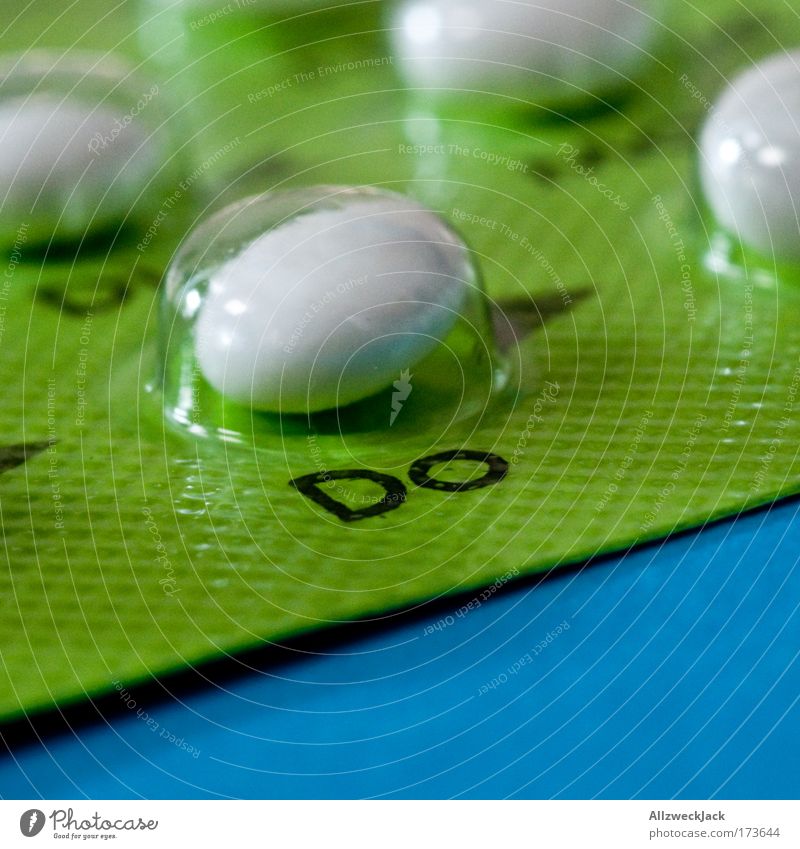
652 389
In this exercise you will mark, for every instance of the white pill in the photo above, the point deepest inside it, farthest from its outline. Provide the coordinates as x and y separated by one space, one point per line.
537 49
330 304
75 147
750 157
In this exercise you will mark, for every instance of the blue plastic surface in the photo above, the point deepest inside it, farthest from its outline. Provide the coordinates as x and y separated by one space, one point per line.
678 677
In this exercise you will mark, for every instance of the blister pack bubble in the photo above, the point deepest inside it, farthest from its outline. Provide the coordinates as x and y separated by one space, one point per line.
655 387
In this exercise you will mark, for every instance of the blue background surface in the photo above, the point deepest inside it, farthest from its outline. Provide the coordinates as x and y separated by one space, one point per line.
678 677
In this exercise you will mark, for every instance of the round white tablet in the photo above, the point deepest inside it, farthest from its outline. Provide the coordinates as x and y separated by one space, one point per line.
529 49
76 152
314 299
750 157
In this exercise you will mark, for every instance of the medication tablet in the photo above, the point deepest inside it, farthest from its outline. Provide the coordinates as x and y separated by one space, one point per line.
76 153
314 299
543 50
750 157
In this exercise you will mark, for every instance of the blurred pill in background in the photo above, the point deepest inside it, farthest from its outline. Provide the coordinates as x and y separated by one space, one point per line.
546 52
82 148
750 157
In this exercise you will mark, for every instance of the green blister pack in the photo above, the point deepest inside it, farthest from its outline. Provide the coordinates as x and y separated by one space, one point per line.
652 386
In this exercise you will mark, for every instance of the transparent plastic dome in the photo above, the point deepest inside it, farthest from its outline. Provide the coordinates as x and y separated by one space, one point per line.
326 308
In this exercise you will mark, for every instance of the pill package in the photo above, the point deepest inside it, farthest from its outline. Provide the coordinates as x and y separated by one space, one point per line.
637 373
